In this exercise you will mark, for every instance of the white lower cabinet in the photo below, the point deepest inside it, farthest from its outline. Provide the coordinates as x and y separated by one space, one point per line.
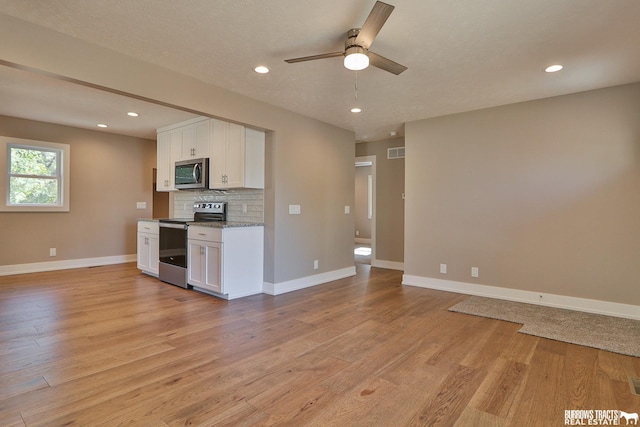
226 262
148 247
205 265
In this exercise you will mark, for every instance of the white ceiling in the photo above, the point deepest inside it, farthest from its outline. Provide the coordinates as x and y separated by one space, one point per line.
461 55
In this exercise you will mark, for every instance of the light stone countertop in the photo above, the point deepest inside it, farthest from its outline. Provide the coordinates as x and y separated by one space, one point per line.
226 224
214 224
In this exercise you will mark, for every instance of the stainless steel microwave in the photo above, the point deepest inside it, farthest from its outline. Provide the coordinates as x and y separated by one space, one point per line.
190 174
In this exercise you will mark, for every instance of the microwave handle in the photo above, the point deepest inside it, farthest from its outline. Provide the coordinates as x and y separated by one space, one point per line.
196 172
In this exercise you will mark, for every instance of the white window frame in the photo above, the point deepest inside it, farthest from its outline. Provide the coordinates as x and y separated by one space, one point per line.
63 151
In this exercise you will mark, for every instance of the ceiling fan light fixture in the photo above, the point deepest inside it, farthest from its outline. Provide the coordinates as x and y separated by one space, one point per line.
356 58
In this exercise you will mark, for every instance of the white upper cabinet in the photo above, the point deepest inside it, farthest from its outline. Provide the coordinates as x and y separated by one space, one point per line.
164 177
181 141
236 153
196 140
237 156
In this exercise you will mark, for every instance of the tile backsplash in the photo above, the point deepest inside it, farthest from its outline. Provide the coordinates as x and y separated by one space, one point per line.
237 200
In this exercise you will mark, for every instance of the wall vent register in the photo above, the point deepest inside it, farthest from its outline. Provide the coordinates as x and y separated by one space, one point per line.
395 153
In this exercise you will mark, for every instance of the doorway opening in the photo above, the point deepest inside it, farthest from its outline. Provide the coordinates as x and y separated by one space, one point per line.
364 209
160 205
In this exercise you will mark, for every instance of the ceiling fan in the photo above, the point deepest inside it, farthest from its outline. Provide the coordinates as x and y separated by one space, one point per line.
357 55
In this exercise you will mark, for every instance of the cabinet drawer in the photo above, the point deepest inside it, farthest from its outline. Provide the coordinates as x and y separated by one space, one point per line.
148 227
211 234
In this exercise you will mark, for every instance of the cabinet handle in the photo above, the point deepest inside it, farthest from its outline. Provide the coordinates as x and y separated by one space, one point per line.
166 182
202 234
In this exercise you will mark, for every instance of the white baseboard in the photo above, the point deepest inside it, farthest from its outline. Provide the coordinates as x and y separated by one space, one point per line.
363 241
306 282
37 267
391 265
550 300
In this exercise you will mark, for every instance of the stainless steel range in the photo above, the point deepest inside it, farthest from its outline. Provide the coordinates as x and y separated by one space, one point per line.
173 241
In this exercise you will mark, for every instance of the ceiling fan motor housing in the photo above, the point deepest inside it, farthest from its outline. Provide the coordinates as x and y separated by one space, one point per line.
351 41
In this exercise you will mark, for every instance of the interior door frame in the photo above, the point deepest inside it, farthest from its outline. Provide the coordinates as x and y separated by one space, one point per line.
371 159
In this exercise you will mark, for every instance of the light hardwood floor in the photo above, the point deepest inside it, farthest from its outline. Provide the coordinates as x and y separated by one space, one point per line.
109 346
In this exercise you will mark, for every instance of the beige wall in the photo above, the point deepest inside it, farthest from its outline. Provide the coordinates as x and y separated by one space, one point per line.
109 174
542 196
308 162
389 245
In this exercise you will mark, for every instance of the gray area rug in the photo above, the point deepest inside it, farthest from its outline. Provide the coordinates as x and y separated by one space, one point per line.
609 333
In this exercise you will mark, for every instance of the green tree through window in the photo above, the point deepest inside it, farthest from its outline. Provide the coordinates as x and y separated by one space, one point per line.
34 175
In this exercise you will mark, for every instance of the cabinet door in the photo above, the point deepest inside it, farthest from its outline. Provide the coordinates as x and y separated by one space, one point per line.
187 142
143 252
202 132
213 267
234 157
195 269
154 253
176 150
148 252
164 177
219 132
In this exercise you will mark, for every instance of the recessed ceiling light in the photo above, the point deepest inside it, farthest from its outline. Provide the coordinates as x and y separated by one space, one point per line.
132 114
102 125
553 68
261 69
356 110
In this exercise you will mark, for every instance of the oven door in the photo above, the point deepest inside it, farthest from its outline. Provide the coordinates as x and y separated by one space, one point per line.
173 254
173 244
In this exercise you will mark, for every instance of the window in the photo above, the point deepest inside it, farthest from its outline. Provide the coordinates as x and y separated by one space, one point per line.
34 176
37 175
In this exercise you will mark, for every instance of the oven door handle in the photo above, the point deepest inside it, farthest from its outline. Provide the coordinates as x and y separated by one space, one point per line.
170 225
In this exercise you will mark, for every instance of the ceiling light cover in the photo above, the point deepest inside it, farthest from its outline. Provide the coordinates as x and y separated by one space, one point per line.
356 110
553 68
102 125
132 114
261 69
356 58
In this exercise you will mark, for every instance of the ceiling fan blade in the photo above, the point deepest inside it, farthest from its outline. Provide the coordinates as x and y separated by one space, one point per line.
374 22
385 64
312 57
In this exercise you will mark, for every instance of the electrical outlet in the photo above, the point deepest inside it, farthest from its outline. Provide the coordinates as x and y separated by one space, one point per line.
315 264
294 210
443 268
141 205
357 232
52 251
347 210
474 271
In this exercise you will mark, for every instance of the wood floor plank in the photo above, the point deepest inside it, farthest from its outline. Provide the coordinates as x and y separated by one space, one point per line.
110 346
